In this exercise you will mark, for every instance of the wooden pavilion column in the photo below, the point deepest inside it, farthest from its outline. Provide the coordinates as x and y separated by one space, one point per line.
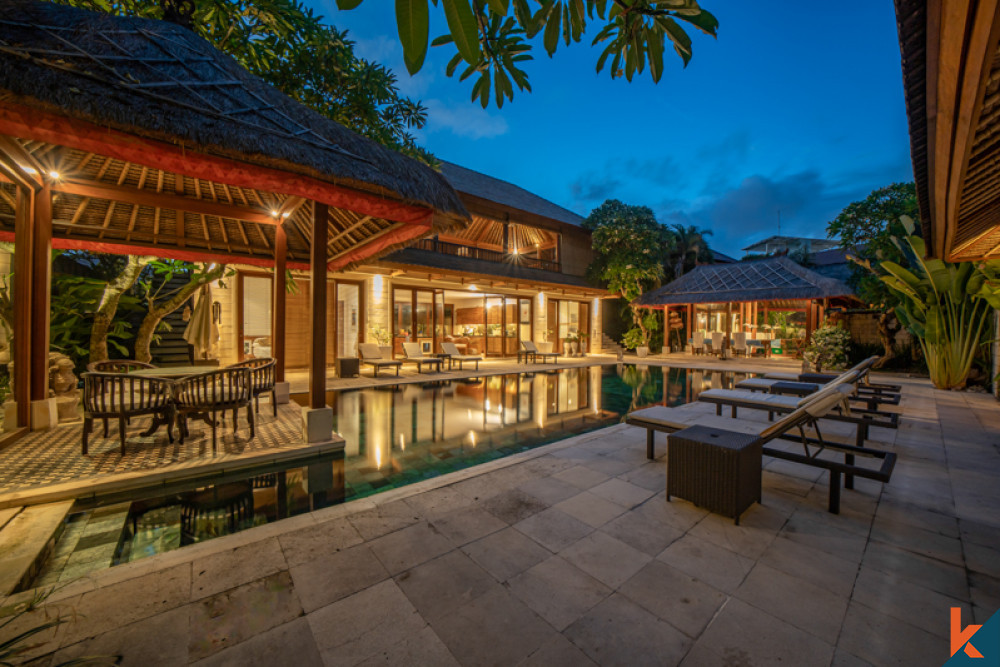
729 324
278 312
43 410
21 350
317 309
810 320
690 322
318 419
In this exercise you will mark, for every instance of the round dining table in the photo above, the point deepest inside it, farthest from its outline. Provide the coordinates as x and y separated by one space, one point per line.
173 372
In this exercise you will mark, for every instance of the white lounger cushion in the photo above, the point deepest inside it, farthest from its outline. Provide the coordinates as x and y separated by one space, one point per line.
744 397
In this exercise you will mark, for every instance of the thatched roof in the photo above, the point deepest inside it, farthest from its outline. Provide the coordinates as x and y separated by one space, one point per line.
157 81
508 195
951 82
772 279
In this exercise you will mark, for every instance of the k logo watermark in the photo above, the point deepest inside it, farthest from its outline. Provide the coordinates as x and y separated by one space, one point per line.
974 644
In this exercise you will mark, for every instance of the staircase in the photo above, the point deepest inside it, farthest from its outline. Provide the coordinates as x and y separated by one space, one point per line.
172 349
609 346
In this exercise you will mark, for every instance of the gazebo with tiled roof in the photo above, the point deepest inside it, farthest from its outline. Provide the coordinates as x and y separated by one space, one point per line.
776 283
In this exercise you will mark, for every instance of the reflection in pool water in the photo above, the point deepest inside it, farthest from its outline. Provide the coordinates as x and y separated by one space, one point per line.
395 435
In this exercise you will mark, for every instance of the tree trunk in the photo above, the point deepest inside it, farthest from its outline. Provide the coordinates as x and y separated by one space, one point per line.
144 337
886 336
105 313
637 317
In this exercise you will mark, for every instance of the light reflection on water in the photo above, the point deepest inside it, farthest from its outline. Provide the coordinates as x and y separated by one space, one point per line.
397 435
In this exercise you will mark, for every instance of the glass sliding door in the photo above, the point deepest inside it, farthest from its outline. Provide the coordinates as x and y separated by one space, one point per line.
494 326
349 319
402 319
256 336
423 321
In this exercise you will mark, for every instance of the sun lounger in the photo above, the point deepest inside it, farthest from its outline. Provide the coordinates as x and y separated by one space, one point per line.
530 352
413 354
820 378
372 356
454 355
676 420
793 388
773 404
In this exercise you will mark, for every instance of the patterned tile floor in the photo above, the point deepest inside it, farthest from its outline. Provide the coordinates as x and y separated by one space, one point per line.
54 456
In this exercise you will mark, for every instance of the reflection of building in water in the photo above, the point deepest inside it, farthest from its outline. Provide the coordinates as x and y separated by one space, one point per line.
385 424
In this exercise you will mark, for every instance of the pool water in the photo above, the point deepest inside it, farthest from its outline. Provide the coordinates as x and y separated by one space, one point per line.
395 435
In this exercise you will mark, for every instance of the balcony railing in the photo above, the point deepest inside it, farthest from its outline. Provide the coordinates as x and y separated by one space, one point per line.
485 254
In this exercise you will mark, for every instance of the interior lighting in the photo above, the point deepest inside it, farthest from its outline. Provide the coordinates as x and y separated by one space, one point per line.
275 213
377 287
473 288
54 175
515 251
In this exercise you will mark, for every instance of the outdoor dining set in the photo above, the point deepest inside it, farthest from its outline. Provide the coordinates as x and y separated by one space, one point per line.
123 389
739 345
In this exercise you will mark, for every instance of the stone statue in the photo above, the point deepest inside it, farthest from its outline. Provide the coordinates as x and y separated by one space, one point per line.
63 386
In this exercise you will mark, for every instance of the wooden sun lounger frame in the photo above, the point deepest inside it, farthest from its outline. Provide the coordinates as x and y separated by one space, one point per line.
848 469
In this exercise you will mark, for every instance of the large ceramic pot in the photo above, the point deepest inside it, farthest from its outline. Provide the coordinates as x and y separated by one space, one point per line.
642 351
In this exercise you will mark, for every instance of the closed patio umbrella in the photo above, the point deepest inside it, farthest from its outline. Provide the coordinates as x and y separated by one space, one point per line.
201 331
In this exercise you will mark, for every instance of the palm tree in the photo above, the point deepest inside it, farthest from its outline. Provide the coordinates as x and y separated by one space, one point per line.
689 246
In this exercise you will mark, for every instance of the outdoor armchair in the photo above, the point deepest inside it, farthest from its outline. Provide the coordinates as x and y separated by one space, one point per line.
718 342
698 342
120 396
413 354
740 344
371 355
204 396
454 355
262 381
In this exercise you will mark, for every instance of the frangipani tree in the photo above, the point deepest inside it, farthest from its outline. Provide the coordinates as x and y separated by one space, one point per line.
630 247
947 306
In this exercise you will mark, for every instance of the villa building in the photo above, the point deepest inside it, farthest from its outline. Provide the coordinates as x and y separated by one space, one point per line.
515 272
789 244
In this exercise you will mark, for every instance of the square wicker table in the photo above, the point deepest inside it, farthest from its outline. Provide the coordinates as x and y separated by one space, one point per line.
715 469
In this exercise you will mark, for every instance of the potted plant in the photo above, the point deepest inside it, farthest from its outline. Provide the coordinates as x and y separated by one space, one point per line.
383 338
633 340
581 339
569 346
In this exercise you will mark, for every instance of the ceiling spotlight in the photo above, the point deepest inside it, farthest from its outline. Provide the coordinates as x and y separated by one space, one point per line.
275 213
54 175
473 288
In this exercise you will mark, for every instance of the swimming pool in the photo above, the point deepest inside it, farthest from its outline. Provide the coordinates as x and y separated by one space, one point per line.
395 435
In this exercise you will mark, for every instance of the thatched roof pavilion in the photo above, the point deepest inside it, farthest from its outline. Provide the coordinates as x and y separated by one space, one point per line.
134 136
775 283
162 141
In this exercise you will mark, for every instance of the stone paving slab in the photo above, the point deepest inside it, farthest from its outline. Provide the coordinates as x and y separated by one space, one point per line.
485 566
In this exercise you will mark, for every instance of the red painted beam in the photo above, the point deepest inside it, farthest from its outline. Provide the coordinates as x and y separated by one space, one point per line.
30 123
366 250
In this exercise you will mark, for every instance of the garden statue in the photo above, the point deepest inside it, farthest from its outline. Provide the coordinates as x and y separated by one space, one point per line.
64 386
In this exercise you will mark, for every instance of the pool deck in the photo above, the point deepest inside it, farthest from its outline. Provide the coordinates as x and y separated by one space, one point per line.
299 380
569 554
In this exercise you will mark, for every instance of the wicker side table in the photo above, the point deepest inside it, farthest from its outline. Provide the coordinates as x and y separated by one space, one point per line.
715 469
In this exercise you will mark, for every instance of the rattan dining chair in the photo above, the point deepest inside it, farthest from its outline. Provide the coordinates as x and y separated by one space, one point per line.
262 379
205 395
121 396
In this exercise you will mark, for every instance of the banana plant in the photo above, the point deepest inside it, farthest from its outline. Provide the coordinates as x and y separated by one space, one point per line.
945 305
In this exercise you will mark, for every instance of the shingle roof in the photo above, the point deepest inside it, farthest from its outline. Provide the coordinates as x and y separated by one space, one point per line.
501 192
776 278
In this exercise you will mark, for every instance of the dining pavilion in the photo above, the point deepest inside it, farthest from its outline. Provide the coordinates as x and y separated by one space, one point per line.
137 137
758 298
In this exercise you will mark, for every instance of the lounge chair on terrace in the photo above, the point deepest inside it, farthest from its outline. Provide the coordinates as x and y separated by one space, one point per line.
415 355
372 356
676 420
820 378
855 376
698 342
454 355
781 404
530 352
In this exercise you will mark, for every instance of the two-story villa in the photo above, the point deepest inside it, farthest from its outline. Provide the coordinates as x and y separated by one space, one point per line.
515 272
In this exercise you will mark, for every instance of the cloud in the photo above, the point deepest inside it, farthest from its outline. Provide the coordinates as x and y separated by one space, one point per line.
748 212
593 187
621 178
463 120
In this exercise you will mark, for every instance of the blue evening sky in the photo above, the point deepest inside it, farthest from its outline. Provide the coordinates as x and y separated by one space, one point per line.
797 107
